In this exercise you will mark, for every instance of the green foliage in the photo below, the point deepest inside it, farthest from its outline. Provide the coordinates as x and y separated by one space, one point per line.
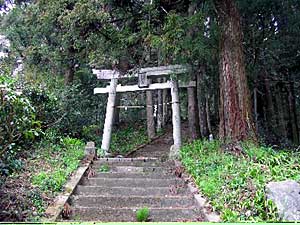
18 125
142 215
61 158
127 138
104 168
235 184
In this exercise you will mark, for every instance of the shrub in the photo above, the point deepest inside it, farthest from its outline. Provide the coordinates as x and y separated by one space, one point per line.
18 125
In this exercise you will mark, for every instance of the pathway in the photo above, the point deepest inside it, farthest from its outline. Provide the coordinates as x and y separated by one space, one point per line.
118 187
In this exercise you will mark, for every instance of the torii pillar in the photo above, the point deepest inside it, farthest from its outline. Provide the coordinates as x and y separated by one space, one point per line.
109 117
174 150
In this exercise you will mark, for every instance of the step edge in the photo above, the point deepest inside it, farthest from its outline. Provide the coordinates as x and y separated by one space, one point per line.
136 196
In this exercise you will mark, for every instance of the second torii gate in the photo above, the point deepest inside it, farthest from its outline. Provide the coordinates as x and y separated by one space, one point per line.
143 75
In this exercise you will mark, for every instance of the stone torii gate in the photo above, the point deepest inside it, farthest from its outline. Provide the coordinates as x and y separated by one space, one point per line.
143 75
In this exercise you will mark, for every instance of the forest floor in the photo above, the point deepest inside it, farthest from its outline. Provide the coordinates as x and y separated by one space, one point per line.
160 147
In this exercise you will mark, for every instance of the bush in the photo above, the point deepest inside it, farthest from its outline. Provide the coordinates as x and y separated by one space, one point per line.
18 125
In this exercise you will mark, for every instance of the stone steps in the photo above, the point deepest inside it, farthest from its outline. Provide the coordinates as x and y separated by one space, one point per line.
132 169
157 175
127 191
131 184
129 214
132 201
128 162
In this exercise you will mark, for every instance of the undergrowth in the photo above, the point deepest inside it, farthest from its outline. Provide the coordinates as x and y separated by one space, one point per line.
235 185
126 139
27 192
59 161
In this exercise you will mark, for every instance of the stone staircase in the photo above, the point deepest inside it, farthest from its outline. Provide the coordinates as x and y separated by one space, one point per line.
130 184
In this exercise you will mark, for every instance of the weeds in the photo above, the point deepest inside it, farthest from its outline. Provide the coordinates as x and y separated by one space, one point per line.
104 168
142 215
235 184
61 160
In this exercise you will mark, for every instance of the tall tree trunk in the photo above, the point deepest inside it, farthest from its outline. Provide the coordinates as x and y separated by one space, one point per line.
150 117
236 122
117 110
159 108
293 113
281 130
270 106
201 104
165 105
193 115
255 108
208 114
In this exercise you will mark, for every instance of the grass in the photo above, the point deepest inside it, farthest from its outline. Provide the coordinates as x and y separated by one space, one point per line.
128 138
235 184
28 191
142 215
60 160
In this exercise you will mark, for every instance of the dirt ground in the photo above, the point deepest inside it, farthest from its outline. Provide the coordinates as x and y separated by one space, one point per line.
160 147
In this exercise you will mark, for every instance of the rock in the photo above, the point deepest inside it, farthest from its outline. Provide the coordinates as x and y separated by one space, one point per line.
90 148
286 196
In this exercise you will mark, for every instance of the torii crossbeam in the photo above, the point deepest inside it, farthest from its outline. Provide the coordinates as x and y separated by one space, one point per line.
143 74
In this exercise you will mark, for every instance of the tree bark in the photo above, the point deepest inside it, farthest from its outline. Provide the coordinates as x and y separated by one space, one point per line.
117 110
281 130
193 115
236 123
150 117
202 104
159 108
255 108
270 106
207 111
293 113
165 105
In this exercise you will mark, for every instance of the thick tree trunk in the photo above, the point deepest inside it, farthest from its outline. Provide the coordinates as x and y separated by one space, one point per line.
150 117
236 122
